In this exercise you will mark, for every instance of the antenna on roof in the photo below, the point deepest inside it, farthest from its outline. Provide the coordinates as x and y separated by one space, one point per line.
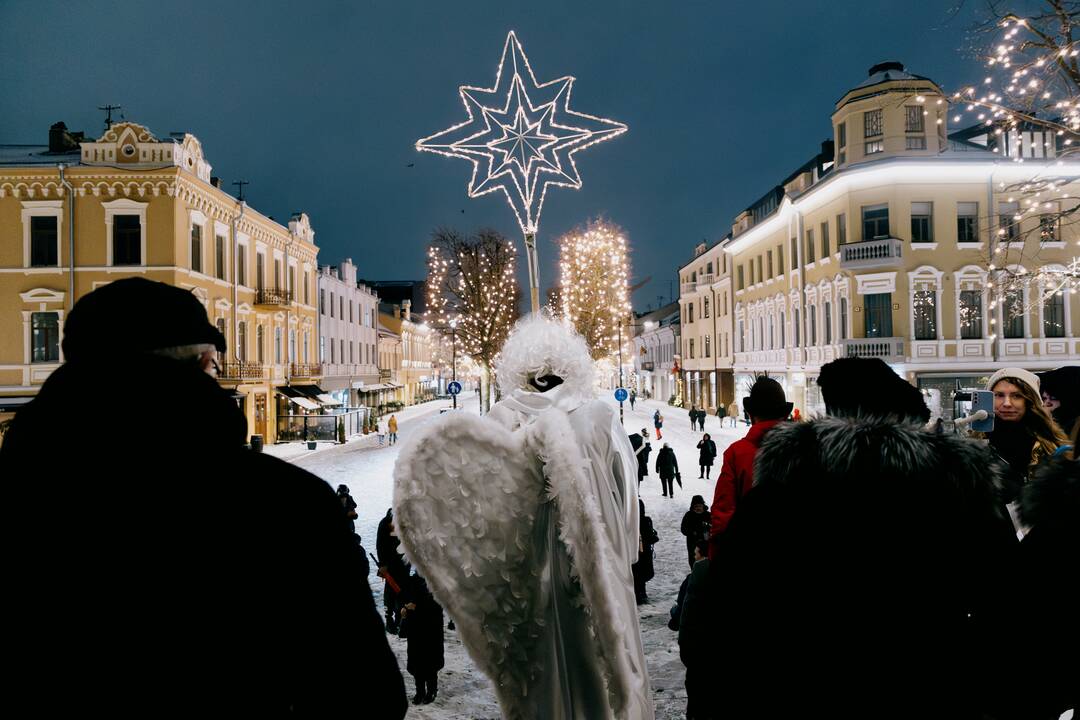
108 114
240 188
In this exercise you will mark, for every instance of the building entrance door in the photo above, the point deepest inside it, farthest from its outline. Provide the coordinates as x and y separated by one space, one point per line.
260 415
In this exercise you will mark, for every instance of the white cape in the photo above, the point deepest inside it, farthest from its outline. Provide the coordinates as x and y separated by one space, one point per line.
525 525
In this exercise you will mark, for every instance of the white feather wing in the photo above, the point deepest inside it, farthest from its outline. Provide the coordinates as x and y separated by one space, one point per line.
465 500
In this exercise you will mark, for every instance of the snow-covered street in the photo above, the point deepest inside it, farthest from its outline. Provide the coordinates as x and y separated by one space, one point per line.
463 692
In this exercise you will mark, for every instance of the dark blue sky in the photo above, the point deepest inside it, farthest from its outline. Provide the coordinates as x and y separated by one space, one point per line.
319 104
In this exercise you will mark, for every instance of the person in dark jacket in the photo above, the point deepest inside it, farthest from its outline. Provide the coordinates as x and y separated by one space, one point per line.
706 455
871 537
422 625
643 568
667 467
348 505
694 636
643 453
1060 390
658 424
695 526
393 569
172 589
693 417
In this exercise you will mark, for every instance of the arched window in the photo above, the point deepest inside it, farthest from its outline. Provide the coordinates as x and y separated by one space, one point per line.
843 318
828 323
241 341
781 329
260 352
1054 315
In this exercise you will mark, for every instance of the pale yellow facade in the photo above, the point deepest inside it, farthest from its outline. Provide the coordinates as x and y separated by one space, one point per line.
255 277
411 347
706 306
881 249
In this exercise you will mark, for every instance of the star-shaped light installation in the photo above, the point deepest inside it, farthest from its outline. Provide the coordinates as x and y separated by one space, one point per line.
521 136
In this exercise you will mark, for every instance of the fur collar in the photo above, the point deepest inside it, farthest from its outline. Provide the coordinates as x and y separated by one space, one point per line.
1052 498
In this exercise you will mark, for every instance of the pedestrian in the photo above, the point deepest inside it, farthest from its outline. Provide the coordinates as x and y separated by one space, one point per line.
380 429
667 467
1024 433
733 413
633 398
693 417
694 620
393 569
721 413
391 426
422 627
695 526
706 455
643 460
349 506
746 415
1061 395
643 569
900 535
207 598
768 406
701 419
658 423
795 416
939 427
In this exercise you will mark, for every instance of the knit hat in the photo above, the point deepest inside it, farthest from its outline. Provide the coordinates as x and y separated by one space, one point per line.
136 315
1021 374
697 499
767 400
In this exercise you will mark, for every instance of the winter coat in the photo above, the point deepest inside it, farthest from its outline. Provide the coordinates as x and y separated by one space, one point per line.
658 420
708 452
736 477
423 629
643 568
879 542
212 574
387 549
392 424
643 460
694 617
667 466
733 410
695 526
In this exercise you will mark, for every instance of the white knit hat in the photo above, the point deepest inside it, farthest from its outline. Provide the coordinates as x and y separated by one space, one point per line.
1014 372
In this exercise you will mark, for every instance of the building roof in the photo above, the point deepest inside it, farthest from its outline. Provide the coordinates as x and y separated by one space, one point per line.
36 155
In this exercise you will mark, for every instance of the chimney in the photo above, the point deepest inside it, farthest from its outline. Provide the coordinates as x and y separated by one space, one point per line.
406 307
216 182
827 150
60 140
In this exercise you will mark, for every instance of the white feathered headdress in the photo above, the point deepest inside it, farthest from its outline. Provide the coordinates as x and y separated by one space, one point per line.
541 346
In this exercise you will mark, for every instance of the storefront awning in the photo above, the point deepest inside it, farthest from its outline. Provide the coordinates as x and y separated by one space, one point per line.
375 388
297 398
305 403
327 400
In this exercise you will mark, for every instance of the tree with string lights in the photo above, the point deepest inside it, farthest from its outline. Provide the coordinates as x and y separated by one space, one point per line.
1029 106
473 295
594 293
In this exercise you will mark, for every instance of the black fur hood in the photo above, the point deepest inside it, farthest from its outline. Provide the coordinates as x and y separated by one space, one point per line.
879 450
1052 498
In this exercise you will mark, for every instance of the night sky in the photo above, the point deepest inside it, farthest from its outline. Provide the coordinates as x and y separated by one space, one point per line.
319 104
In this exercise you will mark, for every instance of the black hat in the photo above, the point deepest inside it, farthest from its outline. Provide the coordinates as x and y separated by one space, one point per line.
137 315
697 499
766 400
869 387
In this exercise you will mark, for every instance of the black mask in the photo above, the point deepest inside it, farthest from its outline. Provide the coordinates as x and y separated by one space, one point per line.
545 382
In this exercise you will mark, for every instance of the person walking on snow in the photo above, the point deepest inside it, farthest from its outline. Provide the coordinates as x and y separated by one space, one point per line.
667 467
733 413
422 626
391 425
695 526
643 569
633 398
707 453
693 417
658 422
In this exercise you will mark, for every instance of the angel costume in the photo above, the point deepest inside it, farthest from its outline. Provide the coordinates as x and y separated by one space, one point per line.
525 524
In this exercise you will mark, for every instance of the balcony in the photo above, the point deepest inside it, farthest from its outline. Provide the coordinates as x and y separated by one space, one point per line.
273 297
242 371
705 280
877 253
687 287
889 349
306 370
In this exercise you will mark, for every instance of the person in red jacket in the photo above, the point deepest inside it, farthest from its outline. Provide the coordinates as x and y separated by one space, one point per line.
767 406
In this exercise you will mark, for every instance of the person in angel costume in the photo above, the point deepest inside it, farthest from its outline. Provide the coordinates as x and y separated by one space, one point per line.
525 524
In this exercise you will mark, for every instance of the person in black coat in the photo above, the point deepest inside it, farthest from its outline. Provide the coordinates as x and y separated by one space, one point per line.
392 566
422 625
171 588
706 455
349 506
667 467
695 525
643 569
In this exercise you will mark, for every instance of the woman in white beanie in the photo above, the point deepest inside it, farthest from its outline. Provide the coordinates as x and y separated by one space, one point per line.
1024 432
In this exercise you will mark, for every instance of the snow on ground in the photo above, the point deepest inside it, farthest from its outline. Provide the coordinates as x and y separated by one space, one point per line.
463 691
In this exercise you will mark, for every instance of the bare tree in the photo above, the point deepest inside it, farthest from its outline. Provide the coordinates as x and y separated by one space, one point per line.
473 295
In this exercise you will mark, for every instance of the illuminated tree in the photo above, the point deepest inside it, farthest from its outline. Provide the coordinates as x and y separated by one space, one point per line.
593 293
473 295
1029 106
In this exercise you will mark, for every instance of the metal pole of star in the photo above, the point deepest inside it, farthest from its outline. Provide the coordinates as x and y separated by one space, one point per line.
521 137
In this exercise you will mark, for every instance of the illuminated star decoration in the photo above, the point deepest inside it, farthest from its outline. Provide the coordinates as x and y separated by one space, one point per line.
521 136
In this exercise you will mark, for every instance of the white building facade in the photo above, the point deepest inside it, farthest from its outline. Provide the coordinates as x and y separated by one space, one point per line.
655 347
348 334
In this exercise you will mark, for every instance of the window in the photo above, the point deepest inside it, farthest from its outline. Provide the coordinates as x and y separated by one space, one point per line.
873 124
307 294
350 311
691 348
705 309
843 318
874 146
708 346
915 142
127 240
241 265
970 314
690 313
341 306
878 315
260 344
769 264
828 323
812 314
43 241
794 254
351 360
875 220
331 304
322 349
322 301
260 270
809 246
760 275
824 240
1012 315
241 341
782 330
922 222
795 325
780 259
277 274
772 332
841 229
1054 316
841 141
1048 228
45 337
292 282
740 274
292 346
967 222
1008 225
925 312
219 256
307 344
913 119
277 345
761 333
220 323
196 248
742 337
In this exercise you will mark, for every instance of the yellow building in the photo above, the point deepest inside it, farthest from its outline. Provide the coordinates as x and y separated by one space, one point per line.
706 307
880 246
77 214
412 344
